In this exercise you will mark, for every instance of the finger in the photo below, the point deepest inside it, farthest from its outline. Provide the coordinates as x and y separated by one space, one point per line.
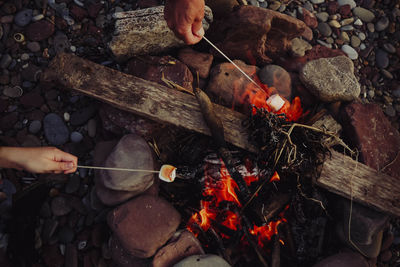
197 28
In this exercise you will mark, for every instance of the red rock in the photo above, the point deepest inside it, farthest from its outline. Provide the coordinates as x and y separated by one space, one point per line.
39 30
309 18
307 34
77 12
345 11
378 142
183 245
32 99
385 256
93 30
196 61
94 9
332 7
52 256
61 24
318 51
156 220
256 35
151 68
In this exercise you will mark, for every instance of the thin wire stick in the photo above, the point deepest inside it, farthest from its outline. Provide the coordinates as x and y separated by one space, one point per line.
233 63
116 169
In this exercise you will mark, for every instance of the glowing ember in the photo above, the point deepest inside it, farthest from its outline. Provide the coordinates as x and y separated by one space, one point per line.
275 177
222 190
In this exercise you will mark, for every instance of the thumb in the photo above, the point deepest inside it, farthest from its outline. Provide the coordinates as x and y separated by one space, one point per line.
64 166
197 29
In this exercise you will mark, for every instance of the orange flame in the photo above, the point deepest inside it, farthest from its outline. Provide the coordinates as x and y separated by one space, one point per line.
275 177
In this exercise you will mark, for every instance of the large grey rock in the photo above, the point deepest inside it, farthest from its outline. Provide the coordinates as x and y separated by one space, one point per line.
331 79
183 244
364 14
203 261
144 224
131 152
145 31
277 77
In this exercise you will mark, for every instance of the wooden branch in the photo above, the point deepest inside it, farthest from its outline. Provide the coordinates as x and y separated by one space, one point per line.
147 99
159 103
344 176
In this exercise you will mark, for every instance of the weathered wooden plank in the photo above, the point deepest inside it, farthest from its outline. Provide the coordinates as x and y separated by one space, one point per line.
344 176
147 99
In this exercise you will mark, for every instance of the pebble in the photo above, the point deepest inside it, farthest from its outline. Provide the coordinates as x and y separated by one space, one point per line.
334 24
55 131
35 126
23 17
13 91
33 46
396 93
274 5
59 206
347 21
387 74
322 16
38 17
5 61
309 6
324 29
351 53
317 2
254 3
364 14
7 19
66 235
67 117
382 24
76 137
355 41
92 125
362 46
344 37
324 43
358 22
390 111
73 184
382 59
24 56
351 3
389 48
362 36
347 28
371 93
39 30
371 27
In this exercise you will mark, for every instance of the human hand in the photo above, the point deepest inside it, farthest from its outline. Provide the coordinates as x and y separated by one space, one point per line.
184 18
38 159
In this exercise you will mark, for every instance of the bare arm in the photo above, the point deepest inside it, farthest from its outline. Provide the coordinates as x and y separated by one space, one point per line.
184 19
38 159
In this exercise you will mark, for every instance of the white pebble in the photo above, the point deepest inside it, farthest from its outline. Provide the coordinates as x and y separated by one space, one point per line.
362 36
24 56
73 48
38 17
362 46
67 116
358 22
351 53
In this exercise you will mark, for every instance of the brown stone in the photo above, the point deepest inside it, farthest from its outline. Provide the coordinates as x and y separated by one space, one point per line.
122 257
77 12
308 34
39 30
152 68
7 121
155 221
256 35
182 245
229 87
378 142
196 61
345 11
94 9
309 18
332 7
277 77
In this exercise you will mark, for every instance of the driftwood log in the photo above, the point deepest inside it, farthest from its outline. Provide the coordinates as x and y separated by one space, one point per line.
144 31
340 174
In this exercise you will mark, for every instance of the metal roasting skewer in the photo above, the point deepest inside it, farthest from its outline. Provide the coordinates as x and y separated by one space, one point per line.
233 63
116 169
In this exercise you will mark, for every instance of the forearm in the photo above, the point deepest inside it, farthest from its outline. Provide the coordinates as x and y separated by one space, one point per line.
10 157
